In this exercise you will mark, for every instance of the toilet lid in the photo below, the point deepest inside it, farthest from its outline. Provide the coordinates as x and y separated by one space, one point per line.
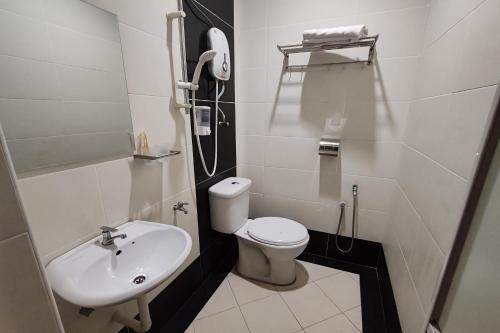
277 231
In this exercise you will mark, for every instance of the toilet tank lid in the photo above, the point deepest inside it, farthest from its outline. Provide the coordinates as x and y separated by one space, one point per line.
230 187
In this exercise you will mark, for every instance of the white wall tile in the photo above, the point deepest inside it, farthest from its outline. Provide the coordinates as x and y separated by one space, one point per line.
175 175
312 215
305 120
23 36
129 187
255 174
13 221
252 118
383 5
410 311
250 14
292 153
22 78
83 50
388 79
437 194
425 259
252 48
250 149
444 14
371 224
458 123
92 85
296 184
438 68
480 63
146 75
400 32
284 12
66 203
31 8
370 158
80 16
373 193
109 5
24 287
163 125
253 87
22 118
148 16
379 121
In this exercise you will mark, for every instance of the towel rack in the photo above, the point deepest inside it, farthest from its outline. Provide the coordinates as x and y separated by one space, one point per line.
302 48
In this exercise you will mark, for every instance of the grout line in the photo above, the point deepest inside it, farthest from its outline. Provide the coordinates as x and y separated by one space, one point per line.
444 33
212 101
422 221
238 305
289 309
436 162
215 313
352 323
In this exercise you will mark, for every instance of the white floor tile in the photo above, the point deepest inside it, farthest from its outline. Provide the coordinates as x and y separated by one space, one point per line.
190 329
221 300
342 290
309 304
269 315
354 316
353 276
227 321
317 272
247 291
337 324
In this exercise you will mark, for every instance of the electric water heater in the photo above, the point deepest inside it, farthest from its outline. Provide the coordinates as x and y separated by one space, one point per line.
220 66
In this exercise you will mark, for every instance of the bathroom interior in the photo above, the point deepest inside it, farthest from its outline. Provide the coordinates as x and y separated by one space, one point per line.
256 166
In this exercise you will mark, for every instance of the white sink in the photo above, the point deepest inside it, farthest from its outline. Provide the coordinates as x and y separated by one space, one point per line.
94 276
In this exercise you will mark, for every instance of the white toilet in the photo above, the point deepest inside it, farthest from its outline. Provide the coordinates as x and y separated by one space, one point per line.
266 245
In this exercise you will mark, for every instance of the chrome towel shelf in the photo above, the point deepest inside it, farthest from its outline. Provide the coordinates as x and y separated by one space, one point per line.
152 157
302 48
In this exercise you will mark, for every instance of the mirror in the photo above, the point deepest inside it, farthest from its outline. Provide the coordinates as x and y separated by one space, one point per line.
63 94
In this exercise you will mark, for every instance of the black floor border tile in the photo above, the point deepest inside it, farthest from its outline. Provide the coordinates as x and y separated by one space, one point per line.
171 315
388 300
378 307
190 309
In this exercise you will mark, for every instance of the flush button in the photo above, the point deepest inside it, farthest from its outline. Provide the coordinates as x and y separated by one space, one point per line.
235 183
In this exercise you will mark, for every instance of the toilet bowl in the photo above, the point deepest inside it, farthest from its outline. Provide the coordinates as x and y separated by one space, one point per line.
267 246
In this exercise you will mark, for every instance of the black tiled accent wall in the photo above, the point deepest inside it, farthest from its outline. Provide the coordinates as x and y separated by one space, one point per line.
198 21
176 306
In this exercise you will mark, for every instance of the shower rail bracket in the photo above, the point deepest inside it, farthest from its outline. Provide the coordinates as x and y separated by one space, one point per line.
369 42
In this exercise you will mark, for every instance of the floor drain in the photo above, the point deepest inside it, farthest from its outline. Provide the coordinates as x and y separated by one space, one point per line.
139 279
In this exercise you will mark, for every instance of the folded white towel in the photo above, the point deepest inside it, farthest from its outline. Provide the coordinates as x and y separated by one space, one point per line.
351 32
328 40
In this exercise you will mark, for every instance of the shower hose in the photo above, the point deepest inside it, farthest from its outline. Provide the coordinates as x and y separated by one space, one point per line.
195 124
354 220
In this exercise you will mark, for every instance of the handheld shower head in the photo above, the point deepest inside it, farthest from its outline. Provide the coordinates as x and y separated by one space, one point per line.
204 57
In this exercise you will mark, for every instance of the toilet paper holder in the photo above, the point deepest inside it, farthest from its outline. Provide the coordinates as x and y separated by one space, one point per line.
329 147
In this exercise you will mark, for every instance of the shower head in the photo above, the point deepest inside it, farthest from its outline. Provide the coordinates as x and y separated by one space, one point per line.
204 57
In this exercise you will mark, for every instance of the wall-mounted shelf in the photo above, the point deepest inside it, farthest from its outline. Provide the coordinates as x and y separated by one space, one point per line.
302 48
154 157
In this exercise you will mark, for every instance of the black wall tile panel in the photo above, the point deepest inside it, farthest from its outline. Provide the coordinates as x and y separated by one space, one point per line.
226 143
196 27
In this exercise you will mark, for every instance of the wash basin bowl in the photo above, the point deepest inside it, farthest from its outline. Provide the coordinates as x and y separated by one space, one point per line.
91 275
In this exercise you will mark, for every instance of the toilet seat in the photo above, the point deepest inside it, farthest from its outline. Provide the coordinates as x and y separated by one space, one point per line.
277 231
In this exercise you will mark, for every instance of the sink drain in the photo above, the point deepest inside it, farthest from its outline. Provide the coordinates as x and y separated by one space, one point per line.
139 279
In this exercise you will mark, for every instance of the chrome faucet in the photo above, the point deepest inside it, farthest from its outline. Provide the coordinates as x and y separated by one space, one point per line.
180 206
107 239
